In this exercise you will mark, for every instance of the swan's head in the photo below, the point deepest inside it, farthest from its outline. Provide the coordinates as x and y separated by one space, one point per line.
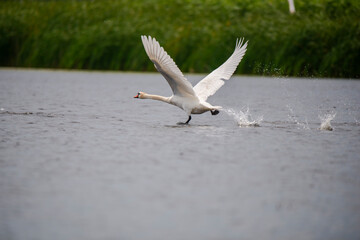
139 95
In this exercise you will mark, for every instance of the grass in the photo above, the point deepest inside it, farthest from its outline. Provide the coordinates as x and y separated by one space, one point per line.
321 40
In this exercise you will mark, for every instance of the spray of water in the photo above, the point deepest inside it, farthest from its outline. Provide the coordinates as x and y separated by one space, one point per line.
243 119
293 118
357 122
325 121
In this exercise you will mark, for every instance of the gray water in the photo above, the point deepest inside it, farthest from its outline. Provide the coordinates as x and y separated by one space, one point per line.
80 158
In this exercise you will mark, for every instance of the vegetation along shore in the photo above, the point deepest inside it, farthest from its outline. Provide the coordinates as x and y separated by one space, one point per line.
321 39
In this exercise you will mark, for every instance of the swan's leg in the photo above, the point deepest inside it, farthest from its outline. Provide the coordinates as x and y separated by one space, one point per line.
184 123
214 112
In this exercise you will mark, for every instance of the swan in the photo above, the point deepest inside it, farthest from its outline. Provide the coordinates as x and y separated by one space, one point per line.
190 99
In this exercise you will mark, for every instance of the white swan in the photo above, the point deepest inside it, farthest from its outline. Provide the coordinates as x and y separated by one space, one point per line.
191 99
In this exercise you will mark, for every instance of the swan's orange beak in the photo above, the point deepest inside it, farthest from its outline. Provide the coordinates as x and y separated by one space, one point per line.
137 96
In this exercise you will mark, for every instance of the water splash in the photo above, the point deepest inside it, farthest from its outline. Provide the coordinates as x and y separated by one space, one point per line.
357 122
325 121
293 118
243 119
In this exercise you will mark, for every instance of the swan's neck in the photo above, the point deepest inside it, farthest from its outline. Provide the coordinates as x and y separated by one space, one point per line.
156 97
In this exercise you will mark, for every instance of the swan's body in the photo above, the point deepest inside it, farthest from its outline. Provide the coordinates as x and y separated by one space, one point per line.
191 99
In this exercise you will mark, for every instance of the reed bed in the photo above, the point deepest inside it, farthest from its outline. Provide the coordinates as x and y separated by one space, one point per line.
322 39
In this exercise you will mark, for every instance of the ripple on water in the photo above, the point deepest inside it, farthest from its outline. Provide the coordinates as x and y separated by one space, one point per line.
40 114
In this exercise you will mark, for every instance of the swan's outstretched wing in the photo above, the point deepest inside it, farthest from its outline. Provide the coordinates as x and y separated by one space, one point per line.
212 82
167 67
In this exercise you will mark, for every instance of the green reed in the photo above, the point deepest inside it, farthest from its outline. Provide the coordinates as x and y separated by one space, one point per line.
322 39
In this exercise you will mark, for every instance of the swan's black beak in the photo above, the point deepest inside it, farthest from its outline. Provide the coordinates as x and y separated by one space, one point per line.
137 96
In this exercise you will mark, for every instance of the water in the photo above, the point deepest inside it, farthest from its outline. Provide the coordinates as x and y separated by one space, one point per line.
243 119
325 121
80 158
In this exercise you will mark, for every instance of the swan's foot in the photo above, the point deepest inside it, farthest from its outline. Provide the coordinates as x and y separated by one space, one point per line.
214 112
187 122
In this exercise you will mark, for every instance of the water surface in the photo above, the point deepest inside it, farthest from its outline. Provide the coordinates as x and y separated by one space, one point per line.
80 158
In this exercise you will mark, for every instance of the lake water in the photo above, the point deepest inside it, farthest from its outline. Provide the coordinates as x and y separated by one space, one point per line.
80 158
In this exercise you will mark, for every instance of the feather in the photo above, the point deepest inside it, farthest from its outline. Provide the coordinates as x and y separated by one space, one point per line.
167 67
216 79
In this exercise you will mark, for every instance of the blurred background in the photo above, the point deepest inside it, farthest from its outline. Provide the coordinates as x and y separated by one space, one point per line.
320 39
